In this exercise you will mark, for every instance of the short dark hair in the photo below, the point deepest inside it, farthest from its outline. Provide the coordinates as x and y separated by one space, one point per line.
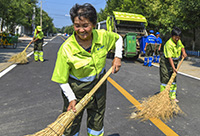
86 10
176 31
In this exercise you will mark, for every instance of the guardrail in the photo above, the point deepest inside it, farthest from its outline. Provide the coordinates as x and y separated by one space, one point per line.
193 53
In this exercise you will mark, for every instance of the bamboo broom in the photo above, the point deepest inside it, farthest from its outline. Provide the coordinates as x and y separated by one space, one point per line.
21 57
158 106
65 119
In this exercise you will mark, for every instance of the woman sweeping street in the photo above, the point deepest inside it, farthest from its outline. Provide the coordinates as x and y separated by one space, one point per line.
171 54
81 64
38 42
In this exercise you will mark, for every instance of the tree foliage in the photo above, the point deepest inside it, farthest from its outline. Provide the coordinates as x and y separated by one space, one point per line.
162 15
47 22
20 12
190 14
69 29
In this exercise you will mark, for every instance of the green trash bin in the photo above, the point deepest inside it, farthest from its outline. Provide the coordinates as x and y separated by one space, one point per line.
130 46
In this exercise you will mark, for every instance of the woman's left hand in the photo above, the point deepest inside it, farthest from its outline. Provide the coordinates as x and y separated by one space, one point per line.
116 64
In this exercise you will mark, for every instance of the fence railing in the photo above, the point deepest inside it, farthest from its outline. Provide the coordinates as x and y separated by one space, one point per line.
194 53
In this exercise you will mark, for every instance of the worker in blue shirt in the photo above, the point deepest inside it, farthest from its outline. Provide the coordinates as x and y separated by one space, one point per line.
157 48
149 48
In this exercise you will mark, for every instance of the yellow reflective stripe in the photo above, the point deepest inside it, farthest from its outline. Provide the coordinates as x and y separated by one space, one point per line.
36 53
173 91
162 87
95 133
173 58
89 78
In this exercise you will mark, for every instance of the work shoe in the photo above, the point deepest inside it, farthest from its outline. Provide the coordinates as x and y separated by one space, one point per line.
145 61
176 100
158 57
150 61
154 59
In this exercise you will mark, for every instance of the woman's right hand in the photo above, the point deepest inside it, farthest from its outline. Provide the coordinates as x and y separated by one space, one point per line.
72 106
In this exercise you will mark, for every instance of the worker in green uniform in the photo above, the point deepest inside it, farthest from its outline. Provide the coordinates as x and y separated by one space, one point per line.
171 54
80 65
38 43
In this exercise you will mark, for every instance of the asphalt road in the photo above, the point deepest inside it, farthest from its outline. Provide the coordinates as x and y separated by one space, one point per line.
29 100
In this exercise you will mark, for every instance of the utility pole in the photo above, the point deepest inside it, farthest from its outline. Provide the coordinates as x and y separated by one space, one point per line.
33 18
41 13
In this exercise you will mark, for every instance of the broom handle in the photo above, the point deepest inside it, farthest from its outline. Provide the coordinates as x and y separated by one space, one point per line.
84 101
94 89
174 75
27 46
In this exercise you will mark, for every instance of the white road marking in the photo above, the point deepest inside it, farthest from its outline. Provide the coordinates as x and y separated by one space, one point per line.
7 70
182 73
2 73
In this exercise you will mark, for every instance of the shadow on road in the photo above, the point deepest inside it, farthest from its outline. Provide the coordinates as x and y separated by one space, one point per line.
114 135
196 64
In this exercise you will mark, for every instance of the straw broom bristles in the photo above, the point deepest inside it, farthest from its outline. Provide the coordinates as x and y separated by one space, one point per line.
65 119
158 106
21 57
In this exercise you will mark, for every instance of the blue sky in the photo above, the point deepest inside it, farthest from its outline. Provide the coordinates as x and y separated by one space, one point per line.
58 9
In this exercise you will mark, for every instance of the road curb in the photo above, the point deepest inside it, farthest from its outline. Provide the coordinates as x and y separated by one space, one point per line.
193 59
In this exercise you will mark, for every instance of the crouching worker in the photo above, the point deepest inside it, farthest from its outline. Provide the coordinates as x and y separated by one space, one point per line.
38 42
80 65
172 53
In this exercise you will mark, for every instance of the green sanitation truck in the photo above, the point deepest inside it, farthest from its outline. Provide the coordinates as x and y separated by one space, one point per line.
130 26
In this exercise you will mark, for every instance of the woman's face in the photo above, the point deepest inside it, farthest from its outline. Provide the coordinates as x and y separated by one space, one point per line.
175 38
83 28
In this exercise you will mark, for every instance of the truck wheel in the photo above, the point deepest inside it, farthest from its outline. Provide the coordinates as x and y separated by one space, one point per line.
4 46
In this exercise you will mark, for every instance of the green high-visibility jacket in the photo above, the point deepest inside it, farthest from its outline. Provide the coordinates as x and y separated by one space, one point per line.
40 35
76 62
172 50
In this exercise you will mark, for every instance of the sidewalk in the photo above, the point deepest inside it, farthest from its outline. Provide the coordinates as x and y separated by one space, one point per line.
8 52
191 66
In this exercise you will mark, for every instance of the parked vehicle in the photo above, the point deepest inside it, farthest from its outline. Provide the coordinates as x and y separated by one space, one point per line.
8 40
131 27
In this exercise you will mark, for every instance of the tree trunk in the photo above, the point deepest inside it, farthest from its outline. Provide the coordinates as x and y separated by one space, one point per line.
193 41
2 23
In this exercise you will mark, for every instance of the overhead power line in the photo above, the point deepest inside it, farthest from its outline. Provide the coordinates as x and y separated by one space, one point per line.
62 15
